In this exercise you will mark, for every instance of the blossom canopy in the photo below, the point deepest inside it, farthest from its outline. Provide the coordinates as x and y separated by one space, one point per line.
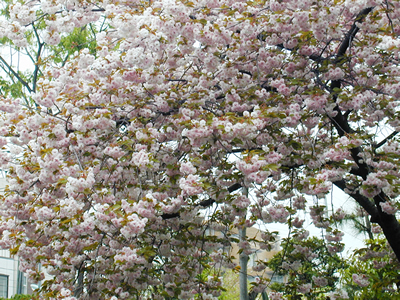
124 154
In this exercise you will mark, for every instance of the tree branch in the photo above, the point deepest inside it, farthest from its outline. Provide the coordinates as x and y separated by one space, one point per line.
204 203
314 57
36 71
24 83
352 33
385 140
340 121
364 202
389 223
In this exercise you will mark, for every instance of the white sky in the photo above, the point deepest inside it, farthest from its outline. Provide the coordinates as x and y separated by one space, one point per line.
351 239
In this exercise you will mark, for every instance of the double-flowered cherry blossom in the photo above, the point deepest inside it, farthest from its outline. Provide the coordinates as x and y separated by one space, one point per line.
127 155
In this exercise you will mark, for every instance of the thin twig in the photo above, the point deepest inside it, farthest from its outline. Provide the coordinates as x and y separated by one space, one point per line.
77 158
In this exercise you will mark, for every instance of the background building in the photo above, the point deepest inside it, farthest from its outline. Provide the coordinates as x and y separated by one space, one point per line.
257 253
12 281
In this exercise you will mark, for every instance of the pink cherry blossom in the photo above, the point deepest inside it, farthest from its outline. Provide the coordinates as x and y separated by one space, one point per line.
362 280
389 207
304 288
191 185
275 296
320 281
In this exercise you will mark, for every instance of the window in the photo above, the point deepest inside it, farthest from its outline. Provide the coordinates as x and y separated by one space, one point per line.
253 258
24 285
4 286
277 278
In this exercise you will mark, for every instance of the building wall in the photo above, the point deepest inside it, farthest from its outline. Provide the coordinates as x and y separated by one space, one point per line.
8 270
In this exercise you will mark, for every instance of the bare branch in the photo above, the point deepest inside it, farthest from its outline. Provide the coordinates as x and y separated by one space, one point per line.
39 52
314 57
24 83
385 140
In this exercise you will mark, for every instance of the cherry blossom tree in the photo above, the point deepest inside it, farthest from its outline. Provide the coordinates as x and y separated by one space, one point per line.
126 160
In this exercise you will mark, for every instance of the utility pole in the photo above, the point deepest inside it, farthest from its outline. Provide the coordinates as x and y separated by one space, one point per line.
243 259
